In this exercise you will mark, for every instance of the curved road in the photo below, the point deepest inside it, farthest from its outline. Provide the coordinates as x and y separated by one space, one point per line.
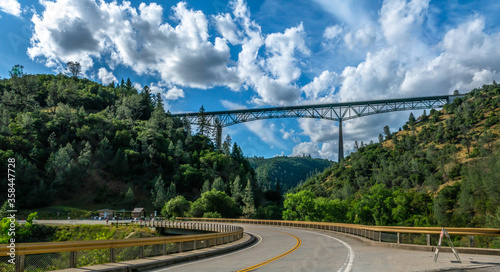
280 249
291 249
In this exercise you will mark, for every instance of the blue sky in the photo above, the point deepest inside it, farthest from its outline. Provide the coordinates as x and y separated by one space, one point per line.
237 54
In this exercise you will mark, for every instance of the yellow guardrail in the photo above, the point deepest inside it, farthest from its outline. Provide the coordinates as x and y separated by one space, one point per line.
371 232
218 234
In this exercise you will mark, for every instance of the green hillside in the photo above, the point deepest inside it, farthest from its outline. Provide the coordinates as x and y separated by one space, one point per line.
442 169
289 171
80 144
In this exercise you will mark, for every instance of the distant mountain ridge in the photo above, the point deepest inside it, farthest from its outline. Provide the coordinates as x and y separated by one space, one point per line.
289 171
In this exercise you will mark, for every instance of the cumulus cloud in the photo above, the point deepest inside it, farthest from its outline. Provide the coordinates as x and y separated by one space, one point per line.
183 54
227 28
105 76
85 30
272 77
321 88
306 148
174 94
11 6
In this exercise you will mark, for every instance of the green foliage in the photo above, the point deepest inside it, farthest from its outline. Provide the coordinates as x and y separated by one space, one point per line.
88 145
31 217
158 194
176 207
304 206
215 201
290 171
248 200
212 215
422 177
219 185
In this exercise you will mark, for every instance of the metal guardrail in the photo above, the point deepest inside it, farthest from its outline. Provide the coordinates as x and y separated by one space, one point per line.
72 254
370 232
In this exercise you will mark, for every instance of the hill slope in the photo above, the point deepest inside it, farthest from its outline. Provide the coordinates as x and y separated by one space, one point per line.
78 143
289 171
442 169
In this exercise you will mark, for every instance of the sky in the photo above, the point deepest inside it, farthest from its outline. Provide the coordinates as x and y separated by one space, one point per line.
264 53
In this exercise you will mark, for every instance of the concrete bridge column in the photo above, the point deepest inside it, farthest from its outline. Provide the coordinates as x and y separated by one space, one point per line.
341 141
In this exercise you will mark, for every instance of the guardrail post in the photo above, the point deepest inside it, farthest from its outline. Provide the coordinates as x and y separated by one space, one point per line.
180 246
194 245
141 252
380 236
111 255
72 259
399 238
471 241
20 263
428 239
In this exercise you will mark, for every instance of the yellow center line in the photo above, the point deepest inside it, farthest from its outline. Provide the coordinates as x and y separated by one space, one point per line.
297 245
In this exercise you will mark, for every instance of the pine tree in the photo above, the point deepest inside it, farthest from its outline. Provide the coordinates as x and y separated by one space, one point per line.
387 132
158 194
171 192
129 198
146 103
226 146
236 189
219 185
206 186
411 119
202 122
248 200
128 85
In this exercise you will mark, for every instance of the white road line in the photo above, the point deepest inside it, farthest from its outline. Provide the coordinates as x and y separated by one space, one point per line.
212 258
350 252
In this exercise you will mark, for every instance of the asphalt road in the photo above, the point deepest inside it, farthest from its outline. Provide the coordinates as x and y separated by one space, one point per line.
291 249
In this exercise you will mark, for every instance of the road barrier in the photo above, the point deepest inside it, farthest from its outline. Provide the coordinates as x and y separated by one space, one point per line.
72 254
375 233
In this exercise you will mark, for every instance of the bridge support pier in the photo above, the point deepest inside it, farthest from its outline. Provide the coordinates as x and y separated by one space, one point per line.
218 136
341 142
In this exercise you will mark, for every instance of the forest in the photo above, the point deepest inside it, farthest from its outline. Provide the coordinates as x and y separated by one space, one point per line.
440 169
77 143
286 172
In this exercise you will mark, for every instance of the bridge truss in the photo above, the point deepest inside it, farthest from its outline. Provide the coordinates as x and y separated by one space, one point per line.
336 112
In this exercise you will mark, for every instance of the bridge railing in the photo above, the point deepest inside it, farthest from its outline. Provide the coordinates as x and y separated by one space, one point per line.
394 234
72 254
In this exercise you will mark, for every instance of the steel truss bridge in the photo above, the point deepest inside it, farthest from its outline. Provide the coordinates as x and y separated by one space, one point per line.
336 112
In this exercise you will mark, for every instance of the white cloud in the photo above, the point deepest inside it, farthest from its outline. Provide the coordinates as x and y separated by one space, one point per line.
306 148
332 32
321 87
272 77
11 6
349 12
227 28
360 38
401 20
174 94
281 48
105 76
261 128
287 134
231 105
84 30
